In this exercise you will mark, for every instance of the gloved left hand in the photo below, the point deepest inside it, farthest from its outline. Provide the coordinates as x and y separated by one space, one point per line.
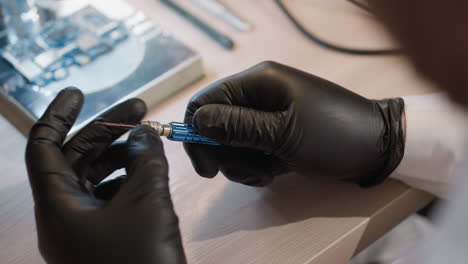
126 220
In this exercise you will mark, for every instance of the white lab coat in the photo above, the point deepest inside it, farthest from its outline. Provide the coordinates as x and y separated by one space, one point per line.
436 136
435 160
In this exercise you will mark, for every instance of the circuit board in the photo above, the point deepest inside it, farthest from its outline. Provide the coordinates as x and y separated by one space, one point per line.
76 40
107 49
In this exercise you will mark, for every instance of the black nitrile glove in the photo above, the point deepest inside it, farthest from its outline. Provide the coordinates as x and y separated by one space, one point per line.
309 125
128 220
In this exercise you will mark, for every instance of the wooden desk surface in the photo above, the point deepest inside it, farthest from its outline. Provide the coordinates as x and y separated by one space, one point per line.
297 220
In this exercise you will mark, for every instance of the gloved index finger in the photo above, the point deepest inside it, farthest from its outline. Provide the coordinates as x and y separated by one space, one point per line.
59 117
264 87
84 148
243 127
50 175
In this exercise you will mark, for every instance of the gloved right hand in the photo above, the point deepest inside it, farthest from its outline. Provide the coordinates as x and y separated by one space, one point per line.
310 125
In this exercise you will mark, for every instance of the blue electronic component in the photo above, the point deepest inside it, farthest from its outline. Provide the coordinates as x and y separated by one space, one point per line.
186 133
60 33
22 51
97 51
92 19
68 61
118 34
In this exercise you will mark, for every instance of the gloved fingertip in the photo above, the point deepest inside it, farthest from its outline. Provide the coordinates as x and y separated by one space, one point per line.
71 89
204 173
72 95
209 123
131 111
202 160
59 117
138 108
145 139
202 170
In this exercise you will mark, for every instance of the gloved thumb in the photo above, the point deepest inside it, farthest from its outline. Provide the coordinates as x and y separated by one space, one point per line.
239 126
147 168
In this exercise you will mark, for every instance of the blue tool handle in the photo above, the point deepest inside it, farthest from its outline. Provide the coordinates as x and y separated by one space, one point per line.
183 132
186 133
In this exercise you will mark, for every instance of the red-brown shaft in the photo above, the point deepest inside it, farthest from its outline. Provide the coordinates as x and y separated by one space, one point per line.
114 124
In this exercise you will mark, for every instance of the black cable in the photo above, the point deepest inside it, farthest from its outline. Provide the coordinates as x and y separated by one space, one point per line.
332 46
360 5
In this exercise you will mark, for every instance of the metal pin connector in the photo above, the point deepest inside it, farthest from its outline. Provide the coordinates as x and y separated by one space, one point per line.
164 130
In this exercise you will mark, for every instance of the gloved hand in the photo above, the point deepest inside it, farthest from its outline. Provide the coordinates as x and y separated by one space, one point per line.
127 220
309 125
